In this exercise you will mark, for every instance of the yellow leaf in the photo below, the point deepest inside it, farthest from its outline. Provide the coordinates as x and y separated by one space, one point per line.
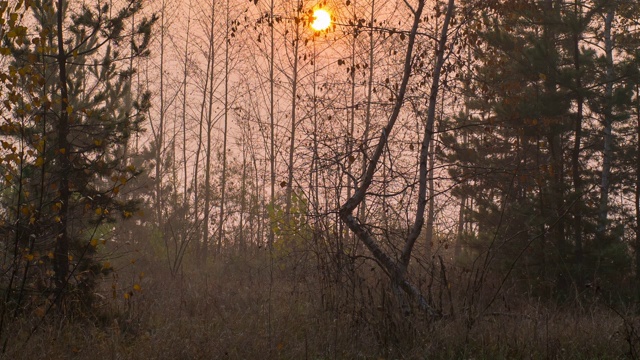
127 296
137 287
8 177
97 142
63 150
94 242
106 265
29 257
69 109
39 161
50 255
70 257
99 211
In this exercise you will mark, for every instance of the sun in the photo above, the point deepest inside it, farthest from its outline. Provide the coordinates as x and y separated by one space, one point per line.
321 20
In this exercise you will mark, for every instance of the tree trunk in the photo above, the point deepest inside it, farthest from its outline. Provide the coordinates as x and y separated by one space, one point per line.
607 152
272 153
159 135
367 118
637 192
397 269
575 156
223 180
292 140
431 216
185 74
210 124
61 256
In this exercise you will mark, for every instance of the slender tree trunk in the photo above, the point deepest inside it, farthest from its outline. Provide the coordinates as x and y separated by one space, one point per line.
465 140
431 216
460 229
314 173
555 142
210 124
427 139
160 133
313 181
292 140
61 256
637 192
398 269
607 152
185 74
272 154
243 196
352 106
575 157
223 180
367 119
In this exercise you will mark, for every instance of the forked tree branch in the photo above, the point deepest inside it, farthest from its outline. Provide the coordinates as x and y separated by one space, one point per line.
397 269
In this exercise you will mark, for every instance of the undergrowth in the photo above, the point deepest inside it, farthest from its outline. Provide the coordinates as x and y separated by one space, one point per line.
239 308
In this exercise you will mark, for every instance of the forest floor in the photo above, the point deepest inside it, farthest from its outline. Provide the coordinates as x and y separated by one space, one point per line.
252 309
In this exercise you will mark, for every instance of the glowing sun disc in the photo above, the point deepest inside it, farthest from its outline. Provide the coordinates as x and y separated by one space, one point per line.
321 20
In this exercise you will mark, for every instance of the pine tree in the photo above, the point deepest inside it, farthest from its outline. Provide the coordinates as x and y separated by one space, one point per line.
527 170
75 127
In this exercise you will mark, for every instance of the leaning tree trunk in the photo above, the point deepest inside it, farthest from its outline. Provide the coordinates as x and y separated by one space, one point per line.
397 269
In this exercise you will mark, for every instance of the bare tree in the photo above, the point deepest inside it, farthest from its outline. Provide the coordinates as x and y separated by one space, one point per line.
397 269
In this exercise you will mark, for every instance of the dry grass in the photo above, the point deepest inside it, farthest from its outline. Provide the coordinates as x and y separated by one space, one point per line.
239 309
